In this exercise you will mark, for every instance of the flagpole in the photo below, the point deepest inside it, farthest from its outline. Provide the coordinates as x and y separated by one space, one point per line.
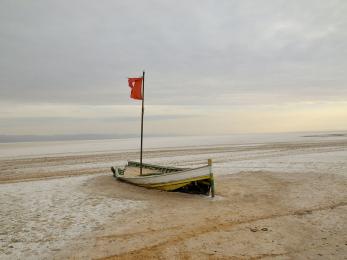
143 100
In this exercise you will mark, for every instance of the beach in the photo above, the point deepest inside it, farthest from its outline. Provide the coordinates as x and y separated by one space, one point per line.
277 196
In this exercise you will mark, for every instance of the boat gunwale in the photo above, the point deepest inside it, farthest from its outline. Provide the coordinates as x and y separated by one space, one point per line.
200 178
149 166
159 184
156 175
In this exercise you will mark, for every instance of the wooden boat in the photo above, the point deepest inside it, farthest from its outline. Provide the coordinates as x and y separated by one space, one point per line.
195 180
191 180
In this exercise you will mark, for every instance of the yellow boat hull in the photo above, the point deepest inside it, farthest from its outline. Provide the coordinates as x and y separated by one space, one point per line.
168 178
172 186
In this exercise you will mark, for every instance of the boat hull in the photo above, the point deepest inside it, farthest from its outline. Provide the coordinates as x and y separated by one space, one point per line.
171 179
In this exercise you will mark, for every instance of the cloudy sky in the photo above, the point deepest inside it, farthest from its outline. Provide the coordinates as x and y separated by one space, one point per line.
212 67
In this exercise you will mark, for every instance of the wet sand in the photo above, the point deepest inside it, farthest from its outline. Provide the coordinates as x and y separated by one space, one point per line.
283 201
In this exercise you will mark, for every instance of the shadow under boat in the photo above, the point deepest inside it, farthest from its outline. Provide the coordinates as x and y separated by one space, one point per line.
189 180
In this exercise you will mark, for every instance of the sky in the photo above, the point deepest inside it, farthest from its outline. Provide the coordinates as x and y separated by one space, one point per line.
212 67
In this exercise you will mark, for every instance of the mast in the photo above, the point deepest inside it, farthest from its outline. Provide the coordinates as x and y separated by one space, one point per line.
143 109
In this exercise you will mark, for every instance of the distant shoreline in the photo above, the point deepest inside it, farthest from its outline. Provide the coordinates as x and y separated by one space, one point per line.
8 138
326 135
57 138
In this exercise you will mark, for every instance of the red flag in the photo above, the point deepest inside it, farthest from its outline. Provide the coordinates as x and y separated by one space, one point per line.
136 88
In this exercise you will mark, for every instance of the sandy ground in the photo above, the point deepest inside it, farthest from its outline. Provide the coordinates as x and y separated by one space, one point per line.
282 200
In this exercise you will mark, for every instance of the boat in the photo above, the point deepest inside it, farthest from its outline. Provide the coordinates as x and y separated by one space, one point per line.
191 180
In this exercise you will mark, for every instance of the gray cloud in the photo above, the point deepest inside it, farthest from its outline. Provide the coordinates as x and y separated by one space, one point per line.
195 52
